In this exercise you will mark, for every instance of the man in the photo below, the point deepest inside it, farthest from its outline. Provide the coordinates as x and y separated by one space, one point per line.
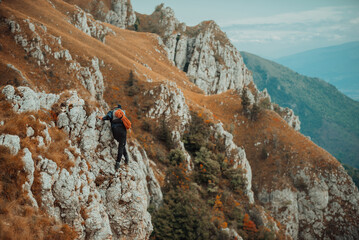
119 133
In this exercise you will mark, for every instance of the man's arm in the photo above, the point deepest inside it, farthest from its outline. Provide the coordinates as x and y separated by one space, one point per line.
108 116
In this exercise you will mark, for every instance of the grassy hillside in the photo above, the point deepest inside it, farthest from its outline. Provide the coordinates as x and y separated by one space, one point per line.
329 117
337 65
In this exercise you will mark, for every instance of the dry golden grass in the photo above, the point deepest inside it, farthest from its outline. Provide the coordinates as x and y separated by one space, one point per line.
56 150
19 220
287 148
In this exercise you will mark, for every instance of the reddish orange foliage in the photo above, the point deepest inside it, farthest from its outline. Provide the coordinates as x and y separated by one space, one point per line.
249 225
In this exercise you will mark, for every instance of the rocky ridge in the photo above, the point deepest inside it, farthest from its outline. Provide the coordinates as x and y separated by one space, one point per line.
97 201
211 63
116 12
312 207
206 55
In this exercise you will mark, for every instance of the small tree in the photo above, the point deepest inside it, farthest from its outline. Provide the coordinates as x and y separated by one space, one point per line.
132 85
249 226
265 103
164 134
245 101
207 169
255 112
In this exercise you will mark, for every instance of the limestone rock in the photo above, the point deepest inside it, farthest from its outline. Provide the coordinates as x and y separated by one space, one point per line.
203 52
28 100
29 170
86 23
310 209
91 197
239 156
92 78
10 141
121 14
289 116
284 206
170 105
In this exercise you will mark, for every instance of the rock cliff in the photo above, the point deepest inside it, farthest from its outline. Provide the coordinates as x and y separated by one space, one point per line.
115 12
207 56
91 196
203 52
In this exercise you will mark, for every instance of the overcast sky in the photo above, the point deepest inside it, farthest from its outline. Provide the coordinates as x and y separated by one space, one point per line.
271 28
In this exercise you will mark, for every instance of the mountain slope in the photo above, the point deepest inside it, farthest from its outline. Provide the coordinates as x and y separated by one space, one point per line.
202 165
330 118
338 65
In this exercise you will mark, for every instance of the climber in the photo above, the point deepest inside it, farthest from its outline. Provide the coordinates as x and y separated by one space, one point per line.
119 133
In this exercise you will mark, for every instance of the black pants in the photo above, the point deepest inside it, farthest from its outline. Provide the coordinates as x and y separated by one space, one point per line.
119 133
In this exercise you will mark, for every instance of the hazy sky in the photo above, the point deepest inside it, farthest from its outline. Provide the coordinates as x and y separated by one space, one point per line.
271 28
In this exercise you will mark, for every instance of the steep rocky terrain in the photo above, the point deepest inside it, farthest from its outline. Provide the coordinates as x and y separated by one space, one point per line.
239 159
203 52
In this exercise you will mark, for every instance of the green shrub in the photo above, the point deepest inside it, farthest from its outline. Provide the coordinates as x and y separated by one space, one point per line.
207 169
265 103
183 214
255 111
146 126
197 134
164 134
235 177
245 101
176 157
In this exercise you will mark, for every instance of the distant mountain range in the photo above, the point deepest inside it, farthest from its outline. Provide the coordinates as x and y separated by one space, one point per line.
338 65
329 117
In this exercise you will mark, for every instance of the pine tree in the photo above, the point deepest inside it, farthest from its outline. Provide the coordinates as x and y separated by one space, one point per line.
245 101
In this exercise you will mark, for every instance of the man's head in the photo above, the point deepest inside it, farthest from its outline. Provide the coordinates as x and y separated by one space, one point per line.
119 106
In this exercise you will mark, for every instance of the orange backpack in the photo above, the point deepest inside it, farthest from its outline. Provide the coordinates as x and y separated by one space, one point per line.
119 114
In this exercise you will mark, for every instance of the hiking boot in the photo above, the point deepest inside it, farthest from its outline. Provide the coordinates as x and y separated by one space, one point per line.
117 166
126 160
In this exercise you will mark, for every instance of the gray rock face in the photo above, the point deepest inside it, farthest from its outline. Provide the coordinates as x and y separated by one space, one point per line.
170 103
29 170
325 206
213 66
28 100
92 197
239 156
204 53
288 115
121 14
89 74
86 23
170 106
10 141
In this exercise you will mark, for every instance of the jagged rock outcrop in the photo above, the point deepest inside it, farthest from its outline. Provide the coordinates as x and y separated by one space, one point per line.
321 206
28 100
116 12
288 115
203 52
10 141
91 196
121 14
38 47
171 108
239 157
85 22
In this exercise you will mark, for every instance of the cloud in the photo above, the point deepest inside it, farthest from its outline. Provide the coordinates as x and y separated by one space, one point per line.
332 14
328 24
355 21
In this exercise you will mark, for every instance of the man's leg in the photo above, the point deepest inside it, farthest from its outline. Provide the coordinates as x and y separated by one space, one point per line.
125 154
122 145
